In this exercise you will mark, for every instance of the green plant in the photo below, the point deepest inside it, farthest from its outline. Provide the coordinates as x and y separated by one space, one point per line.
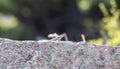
110 27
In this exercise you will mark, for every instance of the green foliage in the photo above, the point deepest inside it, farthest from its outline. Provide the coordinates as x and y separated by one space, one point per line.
84 5
8 6
88 5
110 27
8 22
11 28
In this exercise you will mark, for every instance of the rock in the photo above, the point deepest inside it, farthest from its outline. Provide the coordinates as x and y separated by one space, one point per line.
48 54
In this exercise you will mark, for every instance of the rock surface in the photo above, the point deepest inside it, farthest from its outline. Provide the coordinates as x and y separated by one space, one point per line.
47 54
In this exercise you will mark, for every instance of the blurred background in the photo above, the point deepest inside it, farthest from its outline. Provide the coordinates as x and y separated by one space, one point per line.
98 20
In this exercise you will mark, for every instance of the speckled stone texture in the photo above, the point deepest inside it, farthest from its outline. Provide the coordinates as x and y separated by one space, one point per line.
47 54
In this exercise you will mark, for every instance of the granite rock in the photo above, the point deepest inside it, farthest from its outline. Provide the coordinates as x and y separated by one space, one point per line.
48 54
